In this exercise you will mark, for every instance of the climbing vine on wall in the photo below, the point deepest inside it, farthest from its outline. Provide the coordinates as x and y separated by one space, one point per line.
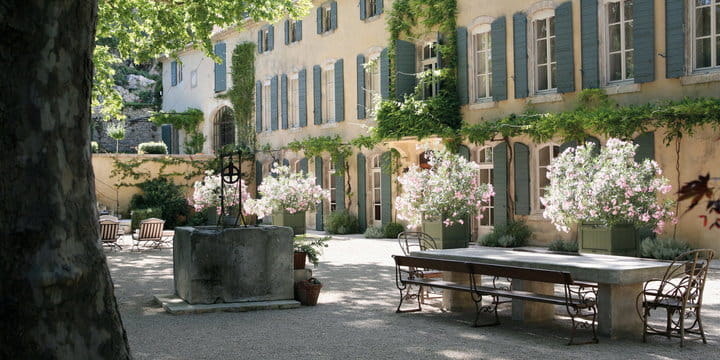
241 94
188 120
125 170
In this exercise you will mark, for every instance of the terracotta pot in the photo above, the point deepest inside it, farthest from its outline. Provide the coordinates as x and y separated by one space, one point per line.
300 260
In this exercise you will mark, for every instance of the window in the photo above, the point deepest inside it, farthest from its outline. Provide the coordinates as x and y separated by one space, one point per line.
543 52
370 8
265 40
179 72
429 66
266 104
224 127
328 96
293 102
331 185
375 181
193 78
296 168
292 32
618 40
485 175
326 18
482 64
372 84
545 155
705 18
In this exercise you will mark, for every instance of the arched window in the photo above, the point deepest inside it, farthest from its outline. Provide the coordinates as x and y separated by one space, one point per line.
224 127
485 175
546 154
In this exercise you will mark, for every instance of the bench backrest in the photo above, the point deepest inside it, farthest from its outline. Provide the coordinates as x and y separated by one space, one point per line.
522 273
109 230
435 264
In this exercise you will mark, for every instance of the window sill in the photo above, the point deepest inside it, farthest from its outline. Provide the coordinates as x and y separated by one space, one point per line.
295 129
544 98
621 88
372 18
329 125
483 105
327 33
700 78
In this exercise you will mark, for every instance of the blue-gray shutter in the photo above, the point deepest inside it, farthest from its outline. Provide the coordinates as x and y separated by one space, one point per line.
564 48
302 97
361 192
498 43
644 40
258 107
298 30
522 179
339 91
285 162
500 177
384 74
333 16
319 13
386 187
166 131
304 165
464 152
363 13
173 73
258 176
462 65
361 87
340 184
259 42
404 68
319 181
220 68
674 38
274 103
317 94
590 45
521 60
271 38
646 146
379 7
287 32
284 100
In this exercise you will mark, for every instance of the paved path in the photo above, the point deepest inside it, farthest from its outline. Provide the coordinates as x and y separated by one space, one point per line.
356 320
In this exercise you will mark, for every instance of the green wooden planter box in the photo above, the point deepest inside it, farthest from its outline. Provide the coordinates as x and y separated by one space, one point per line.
619 239
455 236
296 221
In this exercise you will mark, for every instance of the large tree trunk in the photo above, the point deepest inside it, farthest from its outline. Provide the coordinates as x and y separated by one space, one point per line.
56 295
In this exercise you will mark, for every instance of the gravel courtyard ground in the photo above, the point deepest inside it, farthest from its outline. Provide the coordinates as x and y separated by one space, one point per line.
355 319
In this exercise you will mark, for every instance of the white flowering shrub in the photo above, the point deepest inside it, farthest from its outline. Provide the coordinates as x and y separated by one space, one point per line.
207 193
608 188
286 191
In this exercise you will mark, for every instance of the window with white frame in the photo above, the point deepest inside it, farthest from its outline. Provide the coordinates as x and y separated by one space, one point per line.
375 181
429 65
292 31
542 50
296 167
266 106
372 84
331 185
546 154
705 23
326 13
193 79
617 40
179 72
328 96
293 102
265 39
370 8
482 63
485 175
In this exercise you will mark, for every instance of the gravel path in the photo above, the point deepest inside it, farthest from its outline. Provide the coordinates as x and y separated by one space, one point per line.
355 319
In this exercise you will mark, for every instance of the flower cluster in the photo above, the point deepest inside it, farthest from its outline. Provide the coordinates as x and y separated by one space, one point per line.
609 188
450 190
207 193
285 191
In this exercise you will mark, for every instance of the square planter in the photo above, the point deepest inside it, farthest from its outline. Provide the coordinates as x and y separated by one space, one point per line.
621 239
452 237
296 221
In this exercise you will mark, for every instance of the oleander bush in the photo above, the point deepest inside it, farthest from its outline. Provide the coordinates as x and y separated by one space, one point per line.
152 148
374 233
341 222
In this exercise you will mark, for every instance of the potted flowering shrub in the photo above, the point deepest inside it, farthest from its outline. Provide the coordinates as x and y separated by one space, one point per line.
207 196
287 196
609 194
442 198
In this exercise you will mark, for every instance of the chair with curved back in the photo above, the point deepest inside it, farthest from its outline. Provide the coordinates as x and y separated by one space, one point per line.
110 233
151 230
419 241
679 293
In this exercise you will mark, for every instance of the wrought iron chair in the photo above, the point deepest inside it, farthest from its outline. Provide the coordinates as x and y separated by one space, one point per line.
110 233
419 241
151 230
679 293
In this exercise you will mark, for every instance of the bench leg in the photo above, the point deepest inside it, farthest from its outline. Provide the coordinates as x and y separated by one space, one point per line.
578 313
405 294
487 308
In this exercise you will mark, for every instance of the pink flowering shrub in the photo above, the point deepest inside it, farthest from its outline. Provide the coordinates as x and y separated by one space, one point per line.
285 191
609 188
207 193
450 190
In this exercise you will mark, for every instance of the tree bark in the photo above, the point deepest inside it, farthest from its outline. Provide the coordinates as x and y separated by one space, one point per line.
56 294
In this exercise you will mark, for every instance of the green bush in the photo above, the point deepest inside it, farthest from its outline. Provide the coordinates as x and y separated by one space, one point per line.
163 194
152 148
662 249
139 215
198 218
392 229
374 233
94 147
562 245
341 222
514 234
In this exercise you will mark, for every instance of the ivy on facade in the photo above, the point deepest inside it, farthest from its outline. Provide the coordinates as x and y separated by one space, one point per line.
189 121
241 94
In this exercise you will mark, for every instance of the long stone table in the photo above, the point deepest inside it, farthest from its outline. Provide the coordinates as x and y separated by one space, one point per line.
620 279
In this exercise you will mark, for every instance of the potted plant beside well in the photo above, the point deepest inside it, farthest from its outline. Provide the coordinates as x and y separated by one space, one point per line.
206 195
609 194
308 248
441 199
287 196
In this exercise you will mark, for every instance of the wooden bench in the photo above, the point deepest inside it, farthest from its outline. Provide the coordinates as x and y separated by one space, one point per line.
578 300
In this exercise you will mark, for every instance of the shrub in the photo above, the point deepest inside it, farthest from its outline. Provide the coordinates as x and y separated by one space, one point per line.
562 245
198 218
662 249
514 234
139 215
392 229
341 222
94 147
374 233
162 194
313 247
152 148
